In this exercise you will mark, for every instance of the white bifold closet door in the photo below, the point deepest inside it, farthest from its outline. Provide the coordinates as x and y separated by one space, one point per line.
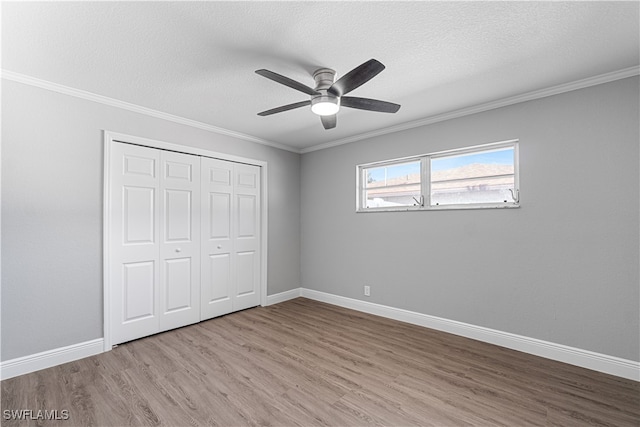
154 241
230 237
184 239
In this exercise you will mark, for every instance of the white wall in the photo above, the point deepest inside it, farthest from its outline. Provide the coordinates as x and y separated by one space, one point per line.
563 268
52 180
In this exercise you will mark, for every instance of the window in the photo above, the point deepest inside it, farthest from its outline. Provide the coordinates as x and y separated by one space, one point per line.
395 184
483 176
478 177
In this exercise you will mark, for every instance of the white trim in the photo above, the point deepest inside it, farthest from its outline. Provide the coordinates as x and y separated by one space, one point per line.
112 102
114 137
574 356
1 196
283 296
146 142
264 224
106 242
529 96
47 359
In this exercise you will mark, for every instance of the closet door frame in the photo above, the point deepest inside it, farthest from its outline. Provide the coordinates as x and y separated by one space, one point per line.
111 138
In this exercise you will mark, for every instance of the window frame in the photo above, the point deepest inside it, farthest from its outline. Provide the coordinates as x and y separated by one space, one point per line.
425 179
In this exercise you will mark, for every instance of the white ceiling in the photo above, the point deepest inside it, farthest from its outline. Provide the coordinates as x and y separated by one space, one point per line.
196 60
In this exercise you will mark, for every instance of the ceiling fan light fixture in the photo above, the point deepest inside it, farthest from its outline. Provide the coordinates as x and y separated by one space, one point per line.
329 94
325 105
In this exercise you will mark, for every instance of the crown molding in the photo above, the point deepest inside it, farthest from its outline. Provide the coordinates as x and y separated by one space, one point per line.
529 96
89 96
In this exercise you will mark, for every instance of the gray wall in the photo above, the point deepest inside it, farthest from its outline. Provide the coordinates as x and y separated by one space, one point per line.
52 178
562 268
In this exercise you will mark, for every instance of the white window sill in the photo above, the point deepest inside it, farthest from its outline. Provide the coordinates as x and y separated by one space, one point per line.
441 207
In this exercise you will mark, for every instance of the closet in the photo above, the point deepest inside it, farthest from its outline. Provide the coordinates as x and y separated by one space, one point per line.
184 239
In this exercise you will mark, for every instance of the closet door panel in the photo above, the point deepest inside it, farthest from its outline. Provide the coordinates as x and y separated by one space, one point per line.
217 244
179 285
178 219
246 268
138 219
247 216
138 284
180 240
134 241
246 236
219 216
220 283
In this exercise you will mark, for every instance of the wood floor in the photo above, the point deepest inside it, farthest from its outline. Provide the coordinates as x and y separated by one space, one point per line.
307 363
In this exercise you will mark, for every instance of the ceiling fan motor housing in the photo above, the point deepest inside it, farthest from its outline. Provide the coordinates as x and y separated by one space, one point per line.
325 103
324 78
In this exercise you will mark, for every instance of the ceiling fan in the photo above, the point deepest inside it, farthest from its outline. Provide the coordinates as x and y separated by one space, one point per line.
328 96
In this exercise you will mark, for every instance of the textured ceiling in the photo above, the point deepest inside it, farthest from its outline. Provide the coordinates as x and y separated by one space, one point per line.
197 59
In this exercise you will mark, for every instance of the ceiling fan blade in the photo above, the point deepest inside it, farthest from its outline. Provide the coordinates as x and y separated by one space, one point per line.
287 81
369 104
285 108
329 122
356 77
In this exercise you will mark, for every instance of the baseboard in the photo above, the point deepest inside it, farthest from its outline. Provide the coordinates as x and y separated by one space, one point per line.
587 359
46 359
283 296
574 356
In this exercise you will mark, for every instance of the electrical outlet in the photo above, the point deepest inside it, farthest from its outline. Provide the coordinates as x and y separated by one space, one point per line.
367 291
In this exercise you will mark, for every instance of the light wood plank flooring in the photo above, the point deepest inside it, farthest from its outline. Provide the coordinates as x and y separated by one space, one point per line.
307 363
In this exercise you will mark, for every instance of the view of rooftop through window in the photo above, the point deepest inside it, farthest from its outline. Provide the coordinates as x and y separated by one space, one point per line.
394 185
472 176
480 177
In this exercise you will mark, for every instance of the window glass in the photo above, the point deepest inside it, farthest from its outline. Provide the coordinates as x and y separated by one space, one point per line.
479 177
392 185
